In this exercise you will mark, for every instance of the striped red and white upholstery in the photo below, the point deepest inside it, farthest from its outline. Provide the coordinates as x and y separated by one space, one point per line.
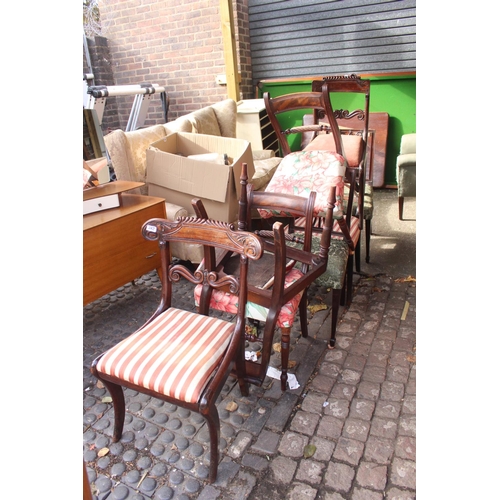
174 355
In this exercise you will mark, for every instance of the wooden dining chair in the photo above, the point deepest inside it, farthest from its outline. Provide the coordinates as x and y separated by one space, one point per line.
357 139
277 284
316 169
184 357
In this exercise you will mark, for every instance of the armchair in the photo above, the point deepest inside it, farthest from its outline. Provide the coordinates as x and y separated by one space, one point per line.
406 171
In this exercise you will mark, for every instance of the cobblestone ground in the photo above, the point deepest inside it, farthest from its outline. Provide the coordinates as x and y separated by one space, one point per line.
348 432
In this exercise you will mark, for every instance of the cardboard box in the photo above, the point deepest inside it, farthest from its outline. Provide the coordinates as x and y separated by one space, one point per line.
179 179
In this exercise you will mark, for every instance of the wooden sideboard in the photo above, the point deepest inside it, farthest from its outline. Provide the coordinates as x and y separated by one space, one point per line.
114 250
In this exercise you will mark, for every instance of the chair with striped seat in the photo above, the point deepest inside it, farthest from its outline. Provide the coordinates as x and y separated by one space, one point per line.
180 356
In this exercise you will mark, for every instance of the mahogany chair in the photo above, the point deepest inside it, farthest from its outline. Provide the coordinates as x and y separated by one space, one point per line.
357 140
277 284
184 357
317 169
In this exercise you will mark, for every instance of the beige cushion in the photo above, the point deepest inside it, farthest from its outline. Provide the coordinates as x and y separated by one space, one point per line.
181 124
408 144
264 171
225 111
353 146
204 121
127 151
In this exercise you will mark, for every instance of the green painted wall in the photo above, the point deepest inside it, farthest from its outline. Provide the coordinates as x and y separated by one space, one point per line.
393 94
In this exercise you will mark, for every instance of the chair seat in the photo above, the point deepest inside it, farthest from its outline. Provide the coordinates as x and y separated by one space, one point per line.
174 355
301 172
228 302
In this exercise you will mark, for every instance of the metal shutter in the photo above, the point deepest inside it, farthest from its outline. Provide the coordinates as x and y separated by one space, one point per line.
297 38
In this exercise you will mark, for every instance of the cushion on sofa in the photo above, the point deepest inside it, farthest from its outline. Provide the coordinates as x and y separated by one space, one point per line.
127 151
204 121
264 171
225 112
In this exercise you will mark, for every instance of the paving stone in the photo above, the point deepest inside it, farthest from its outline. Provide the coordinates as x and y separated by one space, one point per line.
339 476
336 356
314 402
348 450
255 462
384 427
322 383
240 444
241 488
283 469
331 370
324 448
302 492
310 471
397 494
403 473
337 408
349 376
356 429
332 496
365 494
281 412
374 374
372 475
408 426
330 427
305 422
267 442
258 417
355 362
406 447
362 409
292 444
409 405
343 391
379 450
392 391
388 409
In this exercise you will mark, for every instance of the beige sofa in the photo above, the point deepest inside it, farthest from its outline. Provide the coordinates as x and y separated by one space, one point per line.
127 151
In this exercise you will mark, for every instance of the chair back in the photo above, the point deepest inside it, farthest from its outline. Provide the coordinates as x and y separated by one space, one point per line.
211 234
305 101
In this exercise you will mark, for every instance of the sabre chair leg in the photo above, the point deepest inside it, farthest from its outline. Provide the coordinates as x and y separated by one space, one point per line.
400 203
212 417
285 353
118 398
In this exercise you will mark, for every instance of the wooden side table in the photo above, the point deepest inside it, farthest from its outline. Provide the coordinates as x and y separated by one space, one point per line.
114 251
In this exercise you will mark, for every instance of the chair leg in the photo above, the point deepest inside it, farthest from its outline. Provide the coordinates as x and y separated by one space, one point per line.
285 353
368 233
349 281
303 315
400 201
336 295
212 417
357 256
116 392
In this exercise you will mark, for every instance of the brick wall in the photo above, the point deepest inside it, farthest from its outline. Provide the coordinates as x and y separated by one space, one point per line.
178 46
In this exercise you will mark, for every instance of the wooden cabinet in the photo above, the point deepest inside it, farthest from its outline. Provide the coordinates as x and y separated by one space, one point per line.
253 125
114 250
